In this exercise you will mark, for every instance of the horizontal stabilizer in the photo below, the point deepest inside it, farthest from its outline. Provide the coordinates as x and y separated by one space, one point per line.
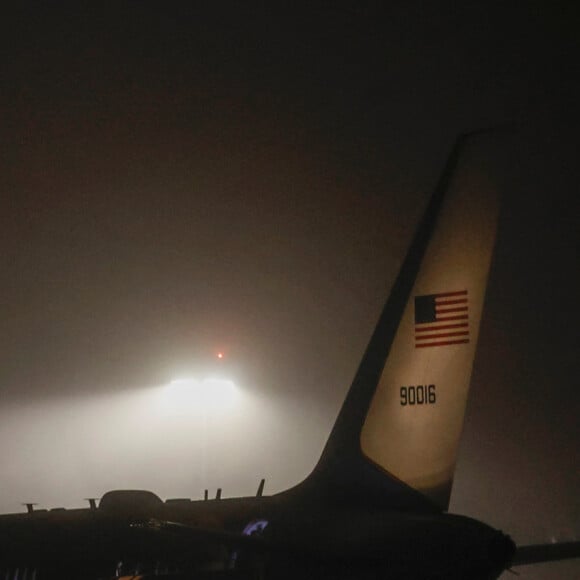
538 553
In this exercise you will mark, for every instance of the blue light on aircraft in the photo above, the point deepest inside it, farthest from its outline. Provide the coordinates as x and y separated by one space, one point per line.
255 528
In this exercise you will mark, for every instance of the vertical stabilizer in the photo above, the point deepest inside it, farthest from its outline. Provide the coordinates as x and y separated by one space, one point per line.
415 420
396 437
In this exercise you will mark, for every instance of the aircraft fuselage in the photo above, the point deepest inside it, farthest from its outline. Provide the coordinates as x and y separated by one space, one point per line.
281 540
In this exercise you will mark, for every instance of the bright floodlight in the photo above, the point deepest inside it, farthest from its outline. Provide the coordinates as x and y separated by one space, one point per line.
192 395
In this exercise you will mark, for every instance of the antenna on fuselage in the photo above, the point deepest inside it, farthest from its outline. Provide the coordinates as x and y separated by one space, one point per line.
29 507
92 502
260 491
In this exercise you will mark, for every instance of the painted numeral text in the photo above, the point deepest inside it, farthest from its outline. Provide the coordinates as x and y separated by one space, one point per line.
418 395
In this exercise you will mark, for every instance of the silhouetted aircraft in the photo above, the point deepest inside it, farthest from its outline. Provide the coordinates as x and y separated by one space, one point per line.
375 506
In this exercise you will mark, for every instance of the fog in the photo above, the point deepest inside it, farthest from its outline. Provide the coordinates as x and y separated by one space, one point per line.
178 182
59 453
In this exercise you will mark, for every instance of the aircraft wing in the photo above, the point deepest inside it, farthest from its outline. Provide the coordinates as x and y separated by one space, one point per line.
537 553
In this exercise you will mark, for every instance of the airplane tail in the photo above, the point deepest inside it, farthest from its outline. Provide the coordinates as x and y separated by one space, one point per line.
395 440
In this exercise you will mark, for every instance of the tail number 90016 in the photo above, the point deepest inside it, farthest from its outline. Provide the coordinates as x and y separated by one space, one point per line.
418 395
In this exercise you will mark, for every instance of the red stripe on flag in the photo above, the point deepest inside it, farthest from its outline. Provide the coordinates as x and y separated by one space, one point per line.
457 293
448 302
457 317
444 343
454 309
441 335
443 327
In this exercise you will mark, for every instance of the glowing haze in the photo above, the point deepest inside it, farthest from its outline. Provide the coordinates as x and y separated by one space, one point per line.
179 181
176 439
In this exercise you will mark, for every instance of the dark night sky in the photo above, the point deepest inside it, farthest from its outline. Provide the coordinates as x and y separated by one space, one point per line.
177 181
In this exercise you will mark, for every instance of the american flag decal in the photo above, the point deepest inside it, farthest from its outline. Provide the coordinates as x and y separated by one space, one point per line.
441 319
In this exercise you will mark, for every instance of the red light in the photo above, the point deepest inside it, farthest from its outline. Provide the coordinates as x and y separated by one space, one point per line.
220 355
